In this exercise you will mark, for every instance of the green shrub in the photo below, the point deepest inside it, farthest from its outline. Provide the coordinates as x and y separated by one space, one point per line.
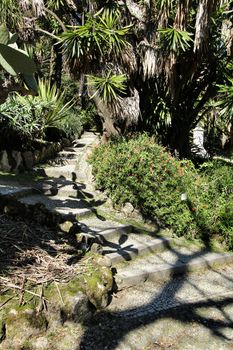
83 113
72 124
219 198
23 119
140 171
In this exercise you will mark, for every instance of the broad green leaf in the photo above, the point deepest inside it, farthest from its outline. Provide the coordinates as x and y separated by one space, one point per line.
30 81
15 61
13 39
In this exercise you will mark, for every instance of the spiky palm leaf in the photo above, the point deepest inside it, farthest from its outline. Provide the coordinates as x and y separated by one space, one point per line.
99 35
176 40
225 102
54 99
109 87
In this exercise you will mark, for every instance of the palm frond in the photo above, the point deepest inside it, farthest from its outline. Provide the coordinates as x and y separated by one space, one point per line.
176 39
101 34
225 101
109 87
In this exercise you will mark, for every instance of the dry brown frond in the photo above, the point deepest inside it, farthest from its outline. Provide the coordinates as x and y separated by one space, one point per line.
127 109
204 12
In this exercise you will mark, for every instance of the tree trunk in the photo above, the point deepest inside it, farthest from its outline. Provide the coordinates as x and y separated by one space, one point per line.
57 70
118 115
179 138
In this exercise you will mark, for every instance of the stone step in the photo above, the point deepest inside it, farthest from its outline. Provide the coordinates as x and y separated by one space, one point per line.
104 236
130 247
59 189
15 191
99 224
51 187
67 207
67 171
165 267
114 234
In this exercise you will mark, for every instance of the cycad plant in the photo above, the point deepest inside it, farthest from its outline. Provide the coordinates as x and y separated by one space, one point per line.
225 101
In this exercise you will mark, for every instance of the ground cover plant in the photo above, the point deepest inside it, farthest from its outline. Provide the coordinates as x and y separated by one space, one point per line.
194 203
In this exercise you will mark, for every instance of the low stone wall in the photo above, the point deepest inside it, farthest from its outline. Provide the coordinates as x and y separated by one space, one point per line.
18 161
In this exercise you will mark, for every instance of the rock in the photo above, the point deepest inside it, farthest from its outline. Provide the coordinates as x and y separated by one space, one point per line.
76 308
104 261
128 209
28 159
81 311
40 343
13 313
96 248
66 226
16 155
43 154
4 162
36 156
136 214
98 286
66 142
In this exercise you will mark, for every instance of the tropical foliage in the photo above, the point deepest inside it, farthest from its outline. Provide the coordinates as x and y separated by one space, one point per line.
108 87
48 106
175 55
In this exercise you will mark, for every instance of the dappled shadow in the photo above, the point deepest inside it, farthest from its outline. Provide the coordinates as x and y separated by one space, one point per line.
69 194
165 305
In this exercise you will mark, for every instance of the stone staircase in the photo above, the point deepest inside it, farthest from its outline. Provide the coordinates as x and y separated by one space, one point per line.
136 255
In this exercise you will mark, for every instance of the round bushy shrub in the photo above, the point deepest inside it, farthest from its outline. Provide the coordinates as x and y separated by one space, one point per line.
141 172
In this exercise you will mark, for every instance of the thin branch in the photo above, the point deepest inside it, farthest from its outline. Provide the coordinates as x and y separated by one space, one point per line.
14 286
59 292
48 33
56 17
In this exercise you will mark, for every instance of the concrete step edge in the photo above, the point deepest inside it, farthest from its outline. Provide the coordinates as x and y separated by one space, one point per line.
19 193
138 250
162 272
84 212
115 232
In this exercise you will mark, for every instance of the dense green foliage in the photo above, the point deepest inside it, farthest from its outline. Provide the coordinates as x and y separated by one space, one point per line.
28 117
140 171
24 119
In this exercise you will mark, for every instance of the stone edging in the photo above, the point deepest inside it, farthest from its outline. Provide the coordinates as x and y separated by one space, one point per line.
18 161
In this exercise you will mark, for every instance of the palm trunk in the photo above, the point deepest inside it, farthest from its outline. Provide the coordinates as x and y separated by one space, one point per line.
57 70
179 137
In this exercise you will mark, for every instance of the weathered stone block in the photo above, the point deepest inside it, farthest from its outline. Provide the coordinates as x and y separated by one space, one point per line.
28 159
16 155
4 162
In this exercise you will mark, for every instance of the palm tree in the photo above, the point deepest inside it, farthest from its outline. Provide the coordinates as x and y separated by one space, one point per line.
173 57
182 56
96 49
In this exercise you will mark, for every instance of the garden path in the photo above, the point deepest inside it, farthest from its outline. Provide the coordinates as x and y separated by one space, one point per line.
168 294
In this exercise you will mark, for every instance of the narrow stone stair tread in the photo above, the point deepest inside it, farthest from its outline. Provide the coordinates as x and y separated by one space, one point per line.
15 191
59 204
135 274
132 248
